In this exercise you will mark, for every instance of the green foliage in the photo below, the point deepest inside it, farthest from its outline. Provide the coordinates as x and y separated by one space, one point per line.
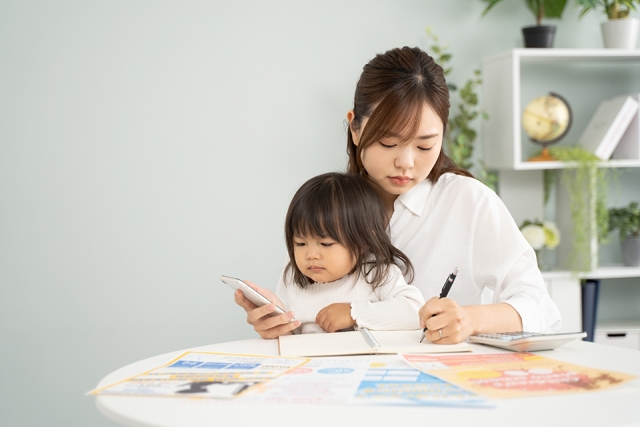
460 136
489 178
614 9
626 220
582 183
540 8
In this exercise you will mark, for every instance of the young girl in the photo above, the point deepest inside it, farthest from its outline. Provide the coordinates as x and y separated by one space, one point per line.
342 271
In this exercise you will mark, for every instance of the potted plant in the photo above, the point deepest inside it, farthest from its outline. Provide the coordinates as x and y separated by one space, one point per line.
542 236
619 31
538 35
627 221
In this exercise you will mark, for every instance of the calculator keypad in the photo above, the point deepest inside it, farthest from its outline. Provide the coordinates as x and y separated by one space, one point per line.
510 336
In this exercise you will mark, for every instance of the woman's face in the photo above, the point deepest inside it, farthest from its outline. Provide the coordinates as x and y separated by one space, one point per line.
395 166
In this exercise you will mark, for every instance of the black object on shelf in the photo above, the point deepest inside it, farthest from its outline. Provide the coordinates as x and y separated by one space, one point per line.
590 291
539 36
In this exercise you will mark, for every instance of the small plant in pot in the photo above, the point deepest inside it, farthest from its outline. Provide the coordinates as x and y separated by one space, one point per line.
619 31
627 221
539 35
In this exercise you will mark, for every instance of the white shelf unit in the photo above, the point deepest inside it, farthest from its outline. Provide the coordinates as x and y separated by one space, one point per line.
502 99
506 147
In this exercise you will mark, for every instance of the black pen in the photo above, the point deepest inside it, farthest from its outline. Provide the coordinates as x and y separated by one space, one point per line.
443 294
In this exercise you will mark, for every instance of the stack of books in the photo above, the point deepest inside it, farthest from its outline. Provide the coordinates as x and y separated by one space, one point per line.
614 129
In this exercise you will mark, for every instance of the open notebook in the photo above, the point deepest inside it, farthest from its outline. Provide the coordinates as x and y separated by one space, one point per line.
362 342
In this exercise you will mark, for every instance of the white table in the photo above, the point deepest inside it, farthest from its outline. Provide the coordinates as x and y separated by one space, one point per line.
619 406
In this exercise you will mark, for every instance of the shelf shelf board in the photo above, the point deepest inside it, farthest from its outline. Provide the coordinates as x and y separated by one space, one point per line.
569 55
615 163
604 272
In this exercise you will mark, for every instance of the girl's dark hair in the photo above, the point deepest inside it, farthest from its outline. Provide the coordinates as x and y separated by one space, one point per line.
392 90
345 208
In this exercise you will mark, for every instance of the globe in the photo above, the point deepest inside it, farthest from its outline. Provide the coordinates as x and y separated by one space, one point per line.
546 120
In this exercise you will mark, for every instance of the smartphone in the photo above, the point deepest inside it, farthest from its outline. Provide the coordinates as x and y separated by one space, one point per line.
251 294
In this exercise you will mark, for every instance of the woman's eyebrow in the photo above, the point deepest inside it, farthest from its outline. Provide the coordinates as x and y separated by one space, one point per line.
433 135
424 137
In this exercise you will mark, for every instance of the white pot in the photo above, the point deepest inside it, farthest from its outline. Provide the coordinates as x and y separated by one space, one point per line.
620 33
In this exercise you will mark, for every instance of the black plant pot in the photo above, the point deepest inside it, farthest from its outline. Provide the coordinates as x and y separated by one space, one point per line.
539 36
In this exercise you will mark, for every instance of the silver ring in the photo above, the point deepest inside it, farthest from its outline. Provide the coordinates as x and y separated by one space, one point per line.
440 332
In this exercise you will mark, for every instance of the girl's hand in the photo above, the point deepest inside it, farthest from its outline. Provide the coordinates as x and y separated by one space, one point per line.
268 327
446 316
335 317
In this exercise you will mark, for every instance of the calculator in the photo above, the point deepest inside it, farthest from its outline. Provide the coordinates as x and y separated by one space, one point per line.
526 341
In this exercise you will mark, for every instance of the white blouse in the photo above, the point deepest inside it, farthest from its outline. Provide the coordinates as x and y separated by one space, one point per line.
393 306
460 222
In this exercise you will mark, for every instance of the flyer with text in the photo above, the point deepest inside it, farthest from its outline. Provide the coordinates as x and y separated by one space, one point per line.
201 374
507 375
379 380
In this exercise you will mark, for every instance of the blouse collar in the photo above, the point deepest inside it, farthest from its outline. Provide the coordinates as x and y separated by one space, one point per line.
416 198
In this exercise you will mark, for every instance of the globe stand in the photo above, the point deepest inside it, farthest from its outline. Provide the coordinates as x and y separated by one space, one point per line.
543 157
546 120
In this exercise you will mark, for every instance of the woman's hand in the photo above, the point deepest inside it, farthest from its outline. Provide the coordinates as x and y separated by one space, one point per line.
444 316
456 323
267 326
335 316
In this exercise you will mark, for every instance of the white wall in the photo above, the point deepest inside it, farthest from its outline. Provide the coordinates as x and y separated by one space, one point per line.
147 147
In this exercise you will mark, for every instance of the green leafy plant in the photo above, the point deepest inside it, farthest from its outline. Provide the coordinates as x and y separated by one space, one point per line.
582 183
626 220
540 8
461 135
614 9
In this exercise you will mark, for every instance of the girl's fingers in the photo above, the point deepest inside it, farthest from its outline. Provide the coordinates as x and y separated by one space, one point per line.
273 327
270 322
260 317
279 330
258 313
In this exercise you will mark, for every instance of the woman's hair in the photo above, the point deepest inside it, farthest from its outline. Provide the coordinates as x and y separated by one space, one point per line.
392 91
345 208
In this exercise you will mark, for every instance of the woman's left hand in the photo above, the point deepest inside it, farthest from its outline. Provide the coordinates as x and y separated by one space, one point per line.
446 321
335 316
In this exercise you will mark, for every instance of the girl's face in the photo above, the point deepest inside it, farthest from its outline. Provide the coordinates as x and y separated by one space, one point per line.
396 166
322 259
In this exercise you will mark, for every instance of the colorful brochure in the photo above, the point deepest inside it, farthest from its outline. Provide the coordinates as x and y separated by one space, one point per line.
368 380
200 374
507 375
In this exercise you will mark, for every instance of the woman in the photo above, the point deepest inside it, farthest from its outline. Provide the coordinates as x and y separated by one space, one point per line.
439 216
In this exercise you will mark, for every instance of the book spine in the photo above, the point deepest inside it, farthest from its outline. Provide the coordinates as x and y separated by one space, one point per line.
629 146
617 129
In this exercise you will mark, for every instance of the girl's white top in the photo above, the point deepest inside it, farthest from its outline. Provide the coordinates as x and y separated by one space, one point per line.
460 222
393 306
